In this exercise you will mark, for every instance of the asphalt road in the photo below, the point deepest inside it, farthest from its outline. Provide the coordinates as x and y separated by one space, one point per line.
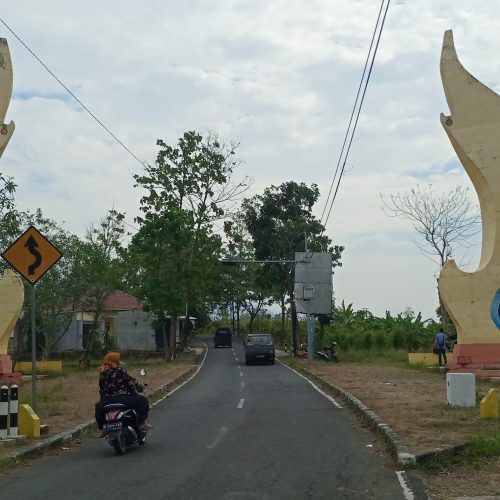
233 432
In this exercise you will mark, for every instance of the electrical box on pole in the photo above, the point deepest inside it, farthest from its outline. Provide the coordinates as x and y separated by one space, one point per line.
313 282
313 290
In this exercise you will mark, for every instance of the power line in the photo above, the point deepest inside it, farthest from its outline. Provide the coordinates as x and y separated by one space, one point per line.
143 163
379 26
353 111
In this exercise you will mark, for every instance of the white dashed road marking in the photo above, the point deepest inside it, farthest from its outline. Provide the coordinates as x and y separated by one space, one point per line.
242 385
241 403
219 436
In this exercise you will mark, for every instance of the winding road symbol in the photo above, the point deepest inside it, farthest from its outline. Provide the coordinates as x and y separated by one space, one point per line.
31 245
32 255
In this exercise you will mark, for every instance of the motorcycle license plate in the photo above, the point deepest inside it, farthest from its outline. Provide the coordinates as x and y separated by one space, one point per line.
112 426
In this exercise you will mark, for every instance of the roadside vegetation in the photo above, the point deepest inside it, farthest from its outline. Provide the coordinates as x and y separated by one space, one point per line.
479 451
360 335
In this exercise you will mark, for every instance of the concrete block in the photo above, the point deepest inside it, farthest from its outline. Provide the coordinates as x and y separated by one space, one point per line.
488 408
461 389
29 422
46 367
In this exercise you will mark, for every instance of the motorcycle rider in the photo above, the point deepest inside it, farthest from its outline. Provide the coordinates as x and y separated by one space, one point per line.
117 386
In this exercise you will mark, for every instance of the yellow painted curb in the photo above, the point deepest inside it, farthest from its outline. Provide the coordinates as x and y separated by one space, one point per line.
46 367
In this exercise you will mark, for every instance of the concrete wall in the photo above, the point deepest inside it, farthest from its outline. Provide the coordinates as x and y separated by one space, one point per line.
134 331
72 339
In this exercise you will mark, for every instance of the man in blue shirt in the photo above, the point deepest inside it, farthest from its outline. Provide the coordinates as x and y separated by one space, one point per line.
440 345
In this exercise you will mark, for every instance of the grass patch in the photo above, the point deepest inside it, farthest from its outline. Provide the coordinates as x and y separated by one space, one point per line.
50 400
387 357
479 451
392 357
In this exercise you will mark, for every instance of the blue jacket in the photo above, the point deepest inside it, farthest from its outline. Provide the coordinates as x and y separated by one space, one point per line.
441 340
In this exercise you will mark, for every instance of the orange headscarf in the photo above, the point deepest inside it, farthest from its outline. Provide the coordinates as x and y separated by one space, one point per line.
112 359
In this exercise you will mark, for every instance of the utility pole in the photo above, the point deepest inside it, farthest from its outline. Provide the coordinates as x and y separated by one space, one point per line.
310 320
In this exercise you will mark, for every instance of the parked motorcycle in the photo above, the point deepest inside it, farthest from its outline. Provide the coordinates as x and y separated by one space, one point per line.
121 427
328 353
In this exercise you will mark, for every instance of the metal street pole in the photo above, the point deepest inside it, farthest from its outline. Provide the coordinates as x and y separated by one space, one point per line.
33 350
310 336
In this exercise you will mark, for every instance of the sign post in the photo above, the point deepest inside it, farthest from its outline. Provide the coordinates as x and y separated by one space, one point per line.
313 289
32 255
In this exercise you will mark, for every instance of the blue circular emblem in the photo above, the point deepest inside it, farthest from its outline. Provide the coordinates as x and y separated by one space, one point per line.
495 309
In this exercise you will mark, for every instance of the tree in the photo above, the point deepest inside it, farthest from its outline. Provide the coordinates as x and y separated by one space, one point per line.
277 221
442 222
9 217
187 189
241 280
59 287
55 291
101 269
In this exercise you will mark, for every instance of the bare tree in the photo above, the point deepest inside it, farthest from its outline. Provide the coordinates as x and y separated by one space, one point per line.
442 222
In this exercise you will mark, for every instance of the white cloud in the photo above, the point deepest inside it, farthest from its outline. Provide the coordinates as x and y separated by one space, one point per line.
280 78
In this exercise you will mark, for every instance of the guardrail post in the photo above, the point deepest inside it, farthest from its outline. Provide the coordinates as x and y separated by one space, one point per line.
4 411
14 410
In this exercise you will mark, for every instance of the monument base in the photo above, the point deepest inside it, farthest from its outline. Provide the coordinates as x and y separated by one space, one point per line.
481 359
7 376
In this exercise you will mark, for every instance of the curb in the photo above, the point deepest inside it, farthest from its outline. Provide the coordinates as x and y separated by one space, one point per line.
89 426
398 449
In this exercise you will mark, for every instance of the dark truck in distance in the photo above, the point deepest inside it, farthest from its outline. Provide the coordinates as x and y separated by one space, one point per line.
223 336
259 347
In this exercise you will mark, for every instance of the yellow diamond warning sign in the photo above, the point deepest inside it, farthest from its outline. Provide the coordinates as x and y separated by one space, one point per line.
32 255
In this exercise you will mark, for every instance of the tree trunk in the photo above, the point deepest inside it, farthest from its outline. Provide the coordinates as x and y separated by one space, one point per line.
163 326
84 362
283 317
174 322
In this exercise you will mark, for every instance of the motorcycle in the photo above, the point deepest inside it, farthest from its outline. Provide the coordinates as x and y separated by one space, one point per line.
121 427
329 353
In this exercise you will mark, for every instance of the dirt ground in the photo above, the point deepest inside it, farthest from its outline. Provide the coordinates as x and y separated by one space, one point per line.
412 402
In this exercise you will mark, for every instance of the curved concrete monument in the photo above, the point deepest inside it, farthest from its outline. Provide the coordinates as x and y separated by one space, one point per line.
6 130
11 286
473 299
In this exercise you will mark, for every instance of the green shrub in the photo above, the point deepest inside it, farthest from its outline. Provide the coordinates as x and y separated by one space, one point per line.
367 341
380 341
398 340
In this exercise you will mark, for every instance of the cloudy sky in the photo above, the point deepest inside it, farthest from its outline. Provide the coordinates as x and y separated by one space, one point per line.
277 76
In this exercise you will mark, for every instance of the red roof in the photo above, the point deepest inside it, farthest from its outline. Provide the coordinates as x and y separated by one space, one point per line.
122 301
115 301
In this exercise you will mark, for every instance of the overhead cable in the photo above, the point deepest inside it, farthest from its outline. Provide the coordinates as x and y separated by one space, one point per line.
58 80
370 59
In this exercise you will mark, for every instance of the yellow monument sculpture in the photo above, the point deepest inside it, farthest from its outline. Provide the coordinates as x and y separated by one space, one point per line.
6 130
11 286
473 299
